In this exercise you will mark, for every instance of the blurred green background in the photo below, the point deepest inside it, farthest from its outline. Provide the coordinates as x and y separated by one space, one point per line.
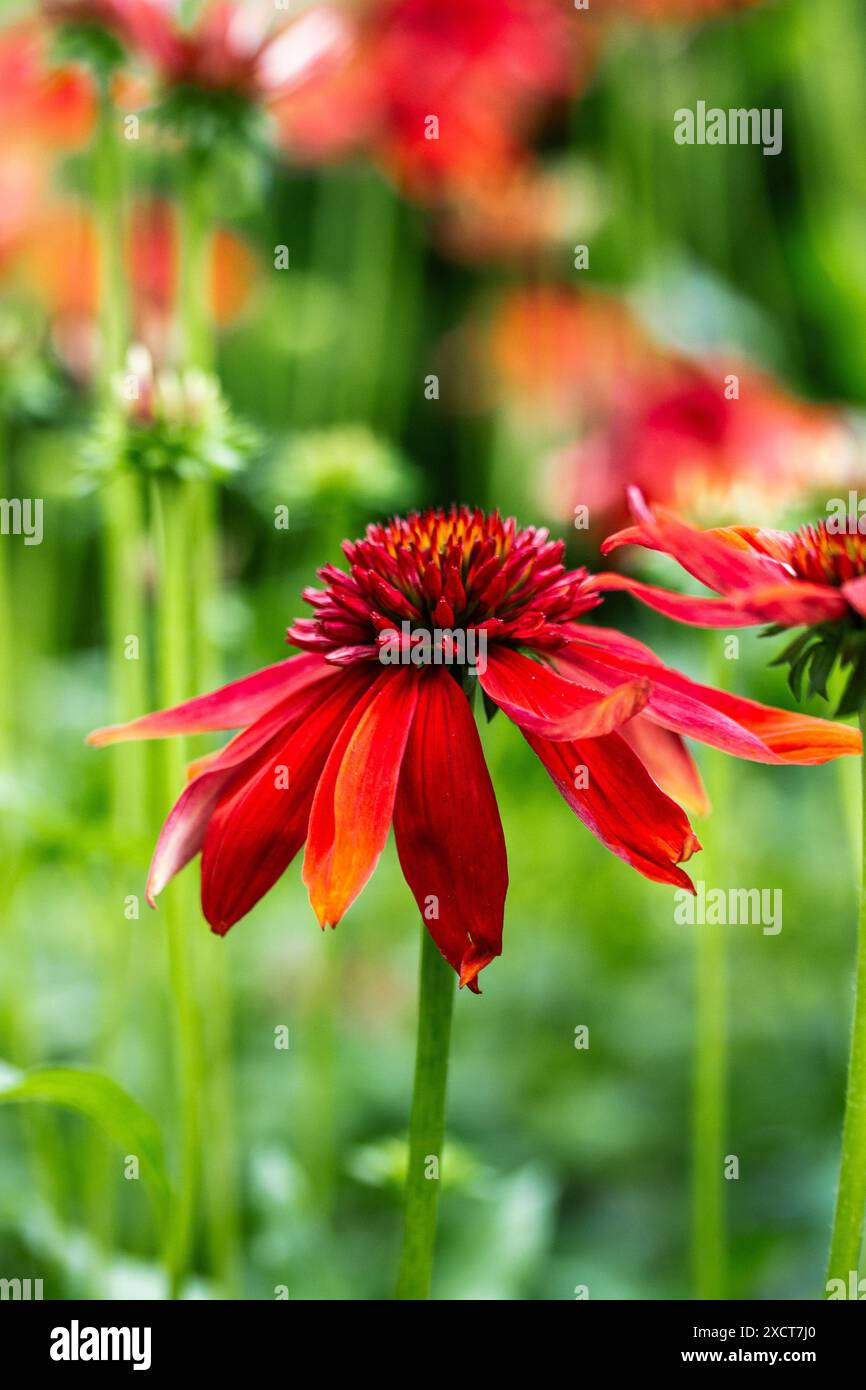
568 1167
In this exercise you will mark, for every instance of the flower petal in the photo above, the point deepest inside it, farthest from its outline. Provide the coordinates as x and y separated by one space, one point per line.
260 824
683 608
231 707
668 762
722 559
448 832
182 835
354 802
621 804
793 603
739 726
540 701
855 594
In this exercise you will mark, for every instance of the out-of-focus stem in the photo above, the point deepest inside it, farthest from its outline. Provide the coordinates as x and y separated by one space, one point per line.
710 1062
201 504
847 1238
179 906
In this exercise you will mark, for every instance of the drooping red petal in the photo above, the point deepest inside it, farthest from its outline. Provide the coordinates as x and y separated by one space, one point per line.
182 835
790 737
233 706
621 804
448 832
743 727
668 762
540 701
678 708
354 802
259 826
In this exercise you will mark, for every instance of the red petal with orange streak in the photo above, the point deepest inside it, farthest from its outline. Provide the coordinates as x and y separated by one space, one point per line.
622 805
541 702
211 777
354 802
745 728
449 835
259 826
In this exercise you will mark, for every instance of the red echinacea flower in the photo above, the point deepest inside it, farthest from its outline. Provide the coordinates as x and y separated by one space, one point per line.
814 578
372 724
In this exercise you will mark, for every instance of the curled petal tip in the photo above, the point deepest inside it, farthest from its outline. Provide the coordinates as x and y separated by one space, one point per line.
98 738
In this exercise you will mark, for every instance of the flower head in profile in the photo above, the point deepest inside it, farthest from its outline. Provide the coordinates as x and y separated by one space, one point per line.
372 725
814 578
237 59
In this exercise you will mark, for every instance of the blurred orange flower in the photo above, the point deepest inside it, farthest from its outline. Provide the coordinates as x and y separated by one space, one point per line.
58 265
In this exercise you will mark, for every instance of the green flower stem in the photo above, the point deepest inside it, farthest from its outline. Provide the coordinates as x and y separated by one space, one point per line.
710 1058
427 1125
709 1099
180 910
847 1238
201 504
122 520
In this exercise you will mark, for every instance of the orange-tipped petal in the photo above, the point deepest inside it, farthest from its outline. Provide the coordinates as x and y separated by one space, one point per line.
354 802
261 821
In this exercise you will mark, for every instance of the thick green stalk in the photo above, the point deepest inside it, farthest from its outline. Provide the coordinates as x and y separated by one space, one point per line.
427 1125
179 907
847 1238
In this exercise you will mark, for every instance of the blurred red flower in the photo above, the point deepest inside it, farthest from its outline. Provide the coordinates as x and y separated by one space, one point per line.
680 433
338 742
441 92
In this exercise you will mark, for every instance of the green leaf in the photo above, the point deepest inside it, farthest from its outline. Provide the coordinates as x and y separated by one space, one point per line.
96 1096
823 661
490 709
793 649
854 694
797 672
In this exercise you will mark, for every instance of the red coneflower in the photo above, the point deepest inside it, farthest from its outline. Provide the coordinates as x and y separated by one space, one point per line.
813 578
372 723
